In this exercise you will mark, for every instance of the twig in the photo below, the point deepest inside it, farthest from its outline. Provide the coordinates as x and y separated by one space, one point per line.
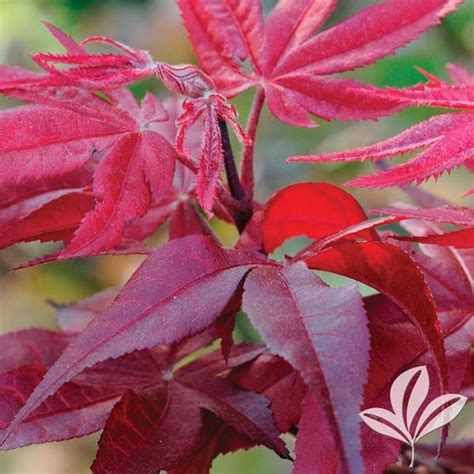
248 181
243 212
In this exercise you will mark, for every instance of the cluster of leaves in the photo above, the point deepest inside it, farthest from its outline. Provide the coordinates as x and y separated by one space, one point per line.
85 164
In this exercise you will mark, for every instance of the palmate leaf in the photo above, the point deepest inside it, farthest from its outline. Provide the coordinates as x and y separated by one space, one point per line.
460 216
135 169
447 139
295 67
294 305
380 265
150 309
135 382
171 426
387 326
107 72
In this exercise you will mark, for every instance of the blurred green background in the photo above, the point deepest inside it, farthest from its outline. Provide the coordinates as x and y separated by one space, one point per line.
154 25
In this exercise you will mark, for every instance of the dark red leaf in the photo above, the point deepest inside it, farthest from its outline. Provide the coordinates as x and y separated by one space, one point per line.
388 326
75 410
216 438
314 445
167 423
154 310
279 382
148 431
247 412
31 347
294 305
387 269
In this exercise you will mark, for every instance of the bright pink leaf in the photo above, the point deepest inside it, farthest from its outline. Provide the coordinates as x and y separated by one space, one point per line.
215 113
437 92
448 140
95 71
135 167
224 33
371 34
462 216
292 98
290 24
51 216
292 65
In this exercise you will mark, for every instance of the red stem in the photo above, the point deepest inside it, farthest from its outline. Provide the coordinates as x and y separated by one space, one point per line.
247 176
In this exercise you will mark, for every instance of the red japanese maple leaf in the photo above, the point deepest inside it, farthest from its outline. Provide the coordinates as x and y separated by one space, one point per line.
86 164
134 165
279 300
294 67
449 275
459 216
97 398
110 71
448 139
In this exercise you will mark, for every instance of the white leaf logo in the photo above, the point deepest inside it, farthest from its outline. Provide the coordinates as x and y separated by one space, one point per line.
407 395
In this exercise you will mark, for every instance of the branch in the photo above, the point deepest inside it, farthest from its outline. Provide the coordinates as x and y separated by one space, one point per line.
229 162
248 181
243 212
